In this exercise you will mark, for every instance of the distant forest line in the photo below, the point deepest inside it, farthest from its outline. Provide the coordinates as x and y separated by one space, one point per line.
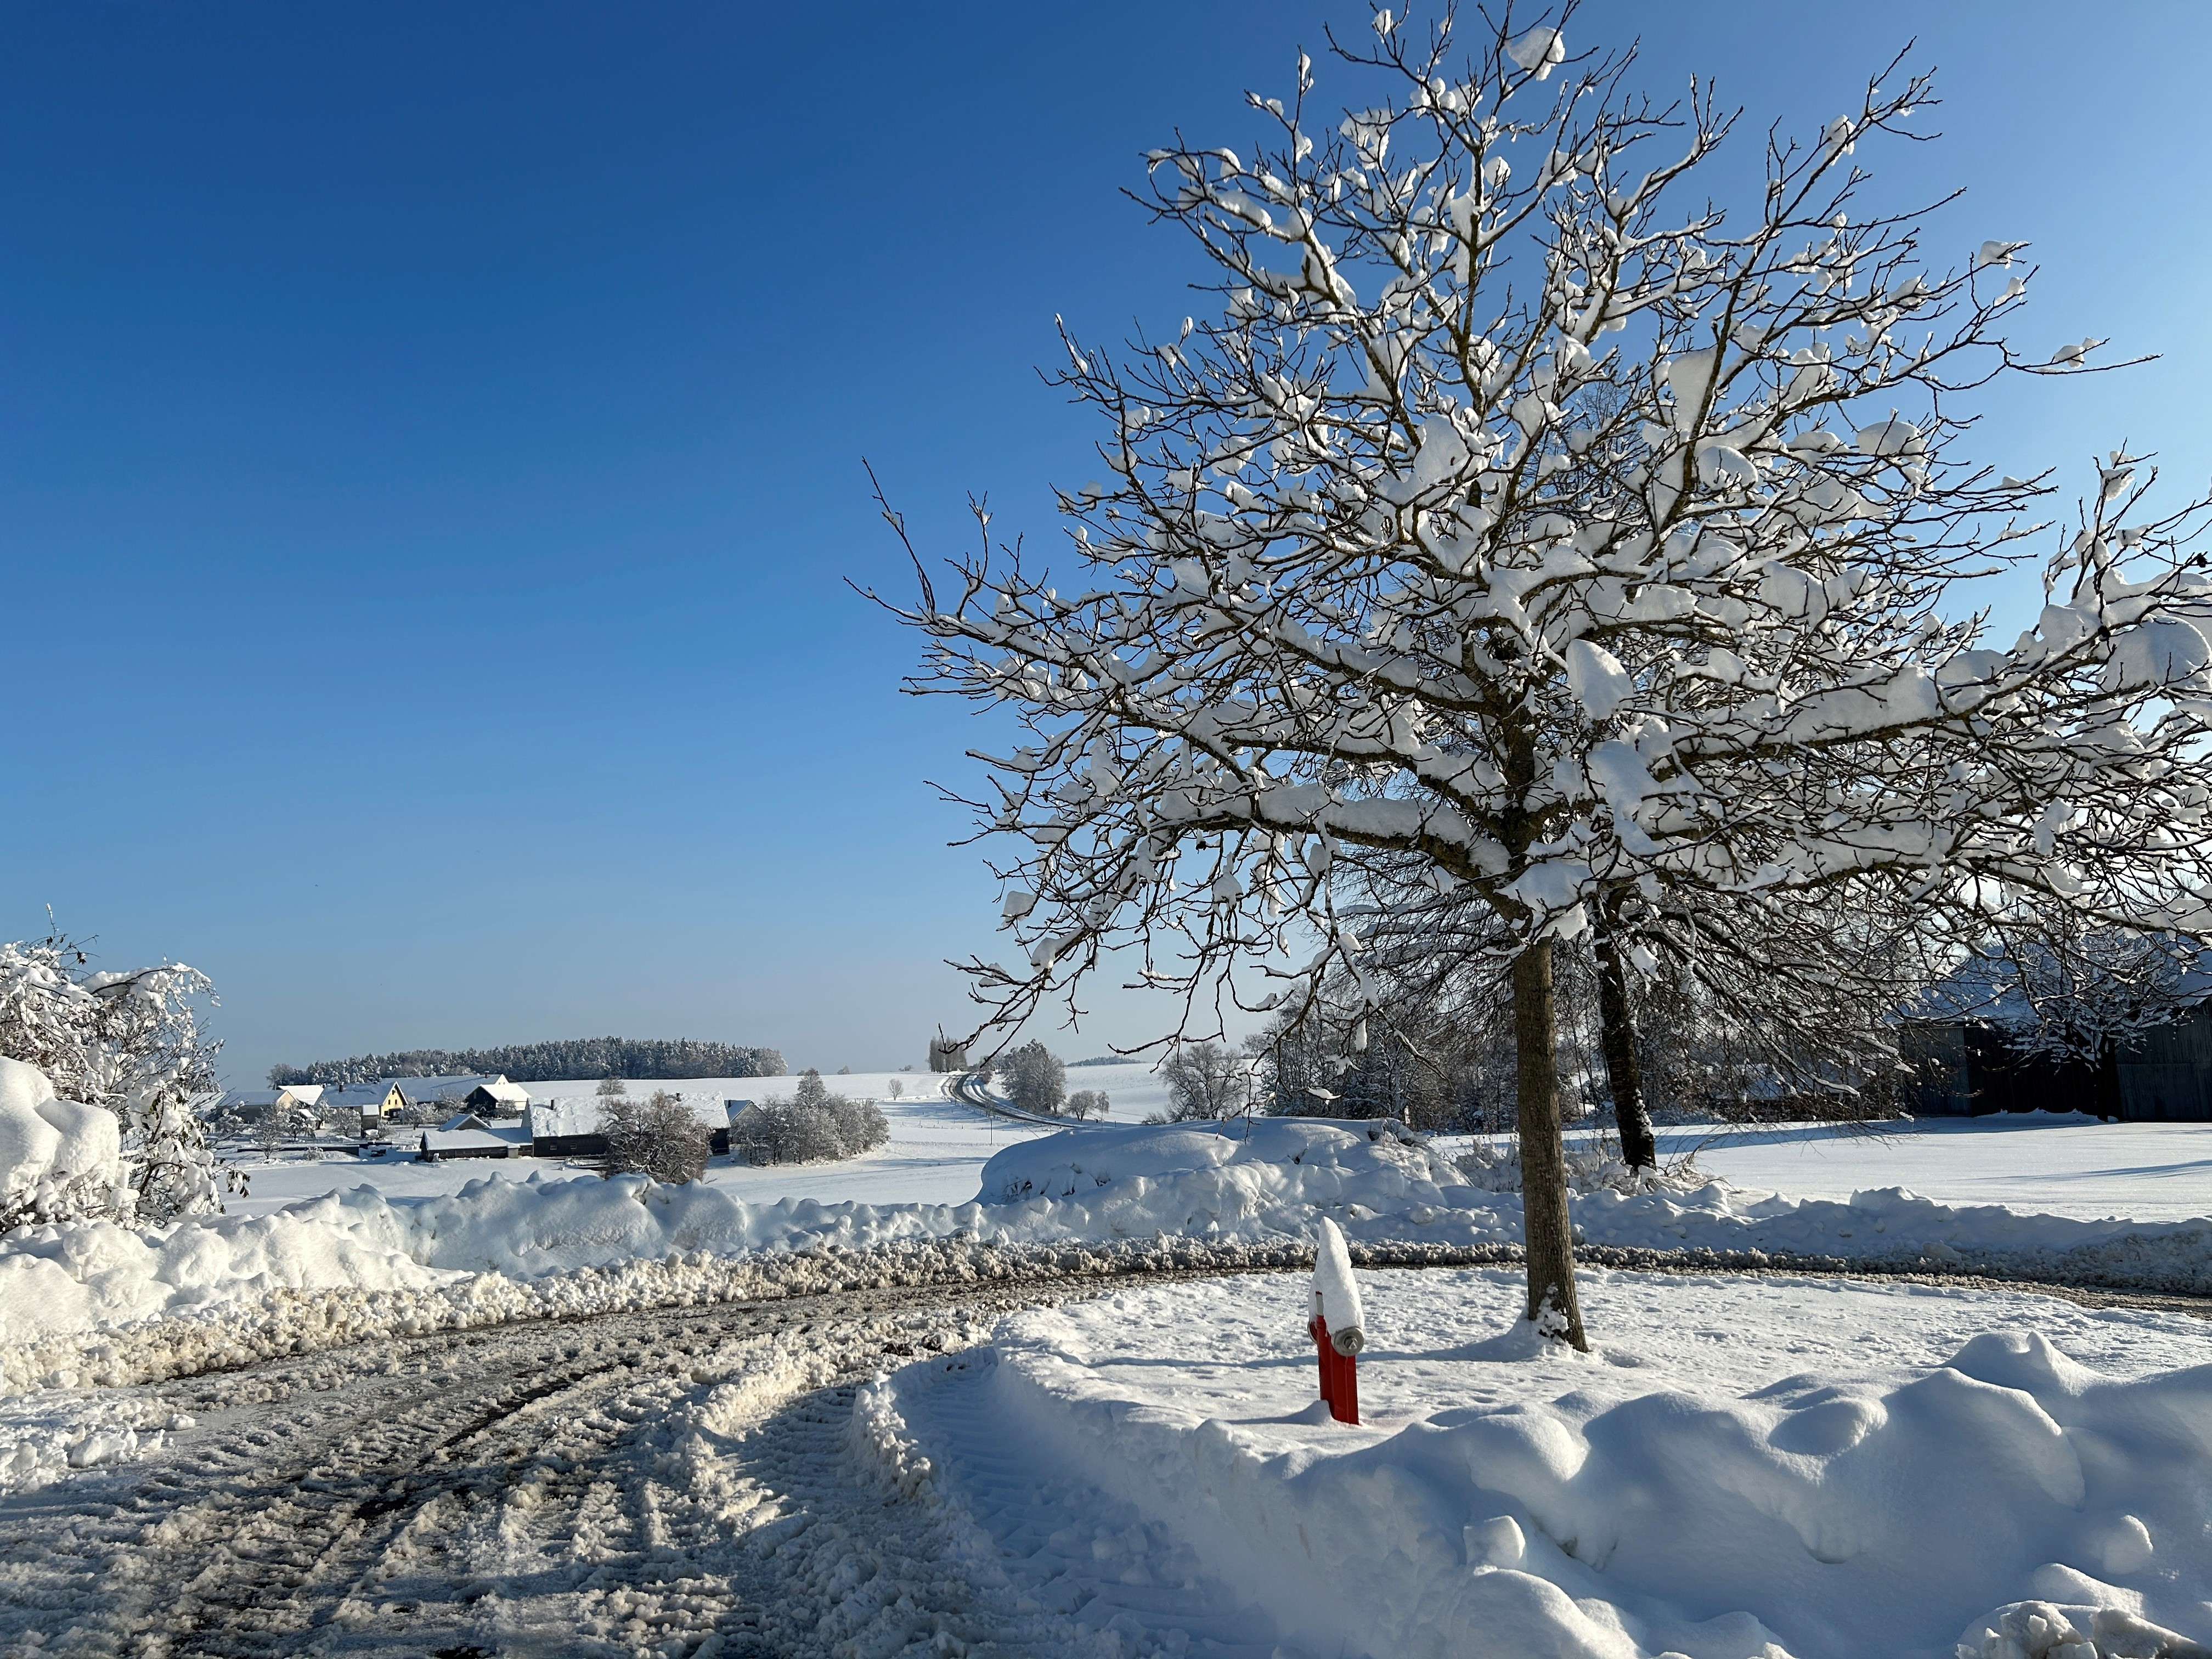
641 1058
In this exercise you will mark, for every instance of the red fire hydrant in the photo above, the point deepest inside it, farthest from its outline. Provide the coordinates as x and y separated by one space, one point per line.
1337 1326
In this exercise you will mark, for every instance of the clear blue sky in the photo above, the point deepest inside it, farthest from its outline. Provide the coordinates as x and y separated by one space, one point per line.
430 446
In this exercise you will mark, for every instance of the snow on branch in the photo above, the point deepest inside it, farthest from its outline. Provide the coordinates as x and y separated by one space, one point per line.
1524 515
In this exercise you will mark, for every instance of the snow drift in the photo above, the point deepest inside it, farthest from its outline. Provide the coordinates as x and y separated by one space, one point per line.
2010 1503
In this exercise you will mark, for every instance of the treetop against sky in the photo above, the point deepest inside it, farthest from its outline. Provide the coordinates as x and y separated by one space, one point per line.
433 453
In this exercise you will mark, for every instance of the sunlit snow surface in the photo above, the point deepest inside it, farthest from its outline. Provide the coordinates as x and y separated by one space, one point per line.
1838 1469
938 1146
2066 1166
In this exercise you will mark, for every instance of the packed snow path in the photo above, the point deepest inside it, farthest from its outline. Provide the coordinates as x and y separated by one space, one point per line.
709 1482
668 1482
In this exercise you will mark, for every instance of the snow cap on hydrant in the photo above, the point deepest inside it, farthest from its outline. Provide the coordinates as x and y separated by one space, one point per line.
1336 1299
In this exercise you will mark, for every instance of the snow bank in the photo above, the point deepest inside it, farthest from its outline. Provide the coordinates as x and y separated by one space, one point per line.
2002 1506
54 1154
1259 1187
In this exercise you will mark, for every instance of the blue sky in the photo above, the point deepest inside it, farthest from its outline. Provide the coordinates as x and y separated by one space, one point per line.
430 447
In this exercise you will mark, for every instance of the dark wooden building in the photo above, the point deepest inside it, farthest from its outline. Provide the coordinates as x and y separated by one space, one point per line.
1971 1067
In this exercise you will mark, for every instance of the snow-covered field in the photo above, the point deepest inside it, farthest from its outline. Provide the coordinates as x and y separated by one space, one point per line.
2036 1161
1747 1469
936 1153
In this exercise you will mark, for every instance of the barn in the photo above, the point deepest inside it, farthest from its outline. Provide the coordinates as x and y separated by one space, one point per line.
497 1098
574 1126
467 1135
1964 1042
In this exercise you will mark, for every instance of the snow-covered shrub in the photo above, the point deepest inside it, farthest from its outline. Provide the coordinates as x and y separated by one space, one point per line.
130 1043
658 1136
1033 1077
58 1159
815 1127
1595 1164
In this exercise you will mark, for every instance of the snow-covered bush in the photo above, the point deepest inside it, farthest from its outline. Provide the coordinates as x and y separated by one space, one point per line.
814 1127
59 1158
1595 1164
129 1043
660 1136
1033 1077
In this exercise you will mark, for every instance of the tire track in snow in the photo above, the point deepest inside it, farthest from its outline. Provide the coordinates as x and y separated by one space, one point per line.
385 1495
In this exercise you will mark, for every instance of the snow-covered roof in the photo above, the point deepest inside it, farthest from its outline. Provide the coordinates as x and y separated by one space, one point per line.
415 1089
570 1114
513 1094
436 1088
581 1115
469 1140
464 1121
1986 987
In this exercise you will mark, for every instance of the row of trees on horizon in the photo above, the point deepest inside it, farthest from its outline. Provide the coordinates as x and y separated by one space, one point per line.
646 1059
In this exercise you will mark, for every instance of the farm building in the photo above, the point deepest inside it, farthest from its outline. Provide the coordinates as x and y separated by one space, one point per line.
574 1127
295 1100
467 1135
498 1097
387 1099
1964 1039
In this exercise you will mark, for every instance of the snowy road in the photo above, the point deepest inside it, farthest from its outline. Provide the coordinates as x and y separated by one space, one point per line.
670 1482
679 1482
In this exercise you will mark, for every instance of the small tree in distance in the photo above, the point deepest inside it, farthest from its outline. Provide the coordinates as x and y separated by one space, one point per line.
1033 1077
1204 1080
1086 1103
813 1126
1521 525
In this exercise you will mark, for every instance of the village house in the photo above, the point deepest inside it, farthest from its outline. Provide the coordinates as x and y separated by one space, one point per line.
294 1102
381 1102
466 1135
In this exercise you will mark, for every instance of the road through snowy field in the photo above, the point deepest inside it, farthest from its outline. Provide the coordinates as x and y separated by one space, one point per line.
708 1482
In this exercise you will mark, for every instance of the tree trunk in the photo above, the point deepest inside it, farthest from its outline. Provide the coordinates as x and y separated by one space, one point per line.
1545 1224
1639 1147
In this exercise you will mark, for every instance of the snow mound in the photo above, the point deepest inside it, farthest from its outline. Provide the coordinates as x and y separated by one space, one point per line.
2008 1503
1235 1175
53 1152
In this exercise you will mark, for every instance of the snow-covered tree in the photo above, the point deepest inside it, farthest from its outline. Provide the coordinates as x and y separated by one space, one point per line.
1206 1080
1087 1103
131 1042
658 1136
1522 518
1033 1077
